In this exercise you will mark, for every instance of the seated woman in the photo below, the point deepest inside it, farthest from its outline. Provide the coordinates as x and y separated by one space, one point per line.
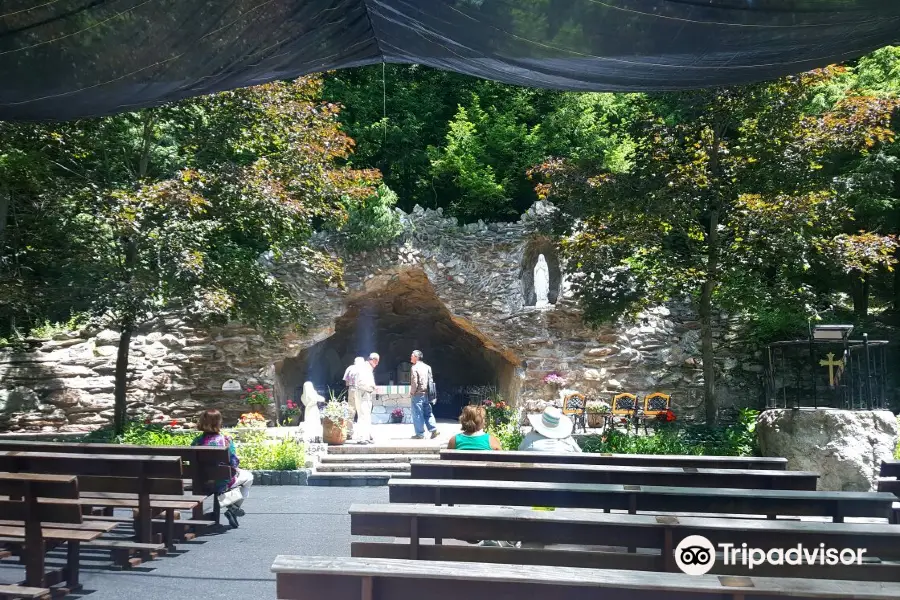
551 432
473 436
233 492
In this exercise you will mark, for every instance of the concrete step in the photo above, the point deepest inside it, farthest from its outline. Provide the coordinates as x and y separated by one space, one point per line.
363 467
370 478
363 458
420 448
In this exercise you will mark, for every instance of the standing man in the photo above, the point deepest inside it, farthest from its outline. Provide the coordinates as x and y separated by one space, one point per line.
351 380
421 384
366 392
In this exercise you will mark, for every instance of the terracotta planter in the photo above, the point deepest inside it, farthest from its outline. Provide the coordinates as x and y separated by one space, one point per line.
595 420
333 433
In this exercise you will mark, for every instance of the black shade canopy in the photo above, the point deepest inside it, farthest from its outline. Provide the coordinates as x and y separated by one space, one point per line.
61 59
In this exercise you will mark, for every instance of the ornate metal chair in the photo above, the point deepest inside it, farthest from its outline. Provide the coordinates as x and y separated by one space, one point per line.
654 404
575 405
624 407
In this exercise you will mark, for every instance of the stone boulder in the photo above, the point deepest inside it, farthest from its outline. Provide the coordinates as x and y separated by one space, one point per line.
845 447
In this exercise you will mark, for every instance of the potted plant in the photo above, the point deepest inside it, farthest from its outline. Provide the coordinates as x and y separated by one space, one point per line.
555 379
335 422
290 413
397 415
596 413
257 398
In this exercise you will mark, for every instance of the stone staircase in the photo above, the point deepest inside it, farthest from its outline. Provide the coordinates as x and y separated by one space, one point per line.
368 465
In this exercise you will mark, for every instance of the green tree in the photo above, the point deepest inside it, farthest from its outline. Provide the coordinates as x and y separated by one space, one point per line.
724 202
174 206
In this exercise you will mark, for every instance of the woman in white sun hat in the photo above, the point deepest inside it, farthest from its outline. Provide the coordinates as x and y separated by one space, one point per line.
551 431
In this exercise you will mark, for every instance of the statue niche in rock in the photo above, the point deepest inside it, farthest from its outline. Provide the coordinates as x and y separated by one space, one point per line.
312 420
542 283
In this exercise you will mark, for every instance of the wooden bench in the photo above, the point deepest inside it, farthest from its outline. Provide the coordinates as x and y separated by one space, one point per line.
202 465
315 577
624 475
134 476
634 498
890 468
633 460
889 481
38 509
661 534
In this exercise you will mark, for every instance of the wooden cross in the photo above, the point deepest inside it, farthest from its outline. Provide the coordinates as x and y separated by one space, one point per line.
831 364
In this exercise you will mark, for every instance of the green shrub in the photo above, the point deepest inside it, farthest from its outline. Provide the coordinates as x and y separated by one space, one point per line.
897 450
259 454
142 433
738 439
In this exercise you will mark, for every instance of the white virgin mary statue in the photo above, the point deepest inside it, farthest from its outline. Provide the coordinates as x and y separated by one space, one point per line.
542 282
312 422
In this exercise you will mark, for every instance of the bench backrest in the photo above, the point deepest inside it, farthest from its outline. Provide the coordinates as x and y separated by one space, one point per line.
312 577
625 475
890 468
635 498
636 460
37 498
101 465
590 528
199 463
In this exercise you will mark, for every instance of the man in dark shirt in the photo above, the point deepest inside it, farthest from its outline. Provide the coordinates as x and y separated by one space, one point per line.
420 382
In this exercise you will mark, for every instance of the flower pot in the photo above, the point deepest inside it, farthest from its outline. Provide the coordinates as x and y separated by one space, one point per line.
333 433
595 420
396 418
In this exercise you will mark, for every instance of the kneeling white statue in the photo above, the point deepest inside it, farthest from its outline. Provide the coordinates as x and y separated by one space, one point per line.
312 421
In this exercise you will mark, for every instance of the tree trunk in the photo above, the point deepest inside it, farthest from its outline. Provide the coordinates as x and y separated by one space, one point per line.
122 378
709 286
897 283
706 325
129 316
860 293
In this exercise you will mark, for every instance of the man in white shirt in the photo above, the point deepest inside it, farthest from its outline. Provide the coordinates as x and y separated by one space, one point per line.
365 384
351 380
420 382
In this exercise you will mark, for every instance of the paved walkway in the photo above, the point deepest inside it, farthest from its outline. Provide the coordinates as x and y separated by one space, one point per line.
235 564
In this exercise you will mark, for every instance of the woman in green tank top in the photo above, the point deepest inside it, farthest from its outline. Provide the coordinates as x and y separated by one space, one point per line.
473 436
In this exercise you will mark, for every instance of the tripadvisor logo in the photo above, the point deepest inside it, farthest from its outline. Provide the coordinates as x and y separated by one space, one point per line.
696 555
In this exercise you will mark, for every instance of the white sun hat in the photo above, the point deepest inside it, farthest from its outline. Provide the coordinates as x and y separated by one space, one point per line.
551 423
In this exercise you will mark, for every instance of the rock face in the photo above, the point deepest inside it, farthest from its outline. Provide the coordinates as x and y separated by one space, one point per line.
845 447
478 276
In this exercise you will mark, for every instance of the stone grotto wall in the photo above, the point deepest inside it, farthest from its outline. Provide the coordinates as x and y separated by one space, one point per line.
479 272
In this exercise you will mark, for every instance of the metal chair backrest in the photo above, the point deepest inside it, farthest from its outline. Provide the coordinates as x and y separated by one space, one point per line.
624 404
656 403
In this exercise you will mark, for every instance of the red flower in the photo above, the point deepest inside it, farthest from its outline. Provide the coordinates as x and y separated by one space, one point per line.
173 422
147 421
259 388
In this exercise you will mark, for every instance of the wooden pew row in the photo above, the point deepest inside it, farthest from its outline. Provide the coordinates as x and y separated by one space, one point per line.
614 474
42 509
588 528
634 498
626 460
136 475
890 468
314 578
202 465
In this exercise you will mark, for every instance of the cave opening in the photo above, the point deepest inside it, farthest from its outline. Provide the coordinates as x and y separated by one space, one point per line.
403 315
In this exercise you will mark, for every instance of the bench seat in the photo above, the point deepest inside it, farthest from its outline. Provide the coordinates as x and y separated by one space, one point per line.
634 498
19 591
